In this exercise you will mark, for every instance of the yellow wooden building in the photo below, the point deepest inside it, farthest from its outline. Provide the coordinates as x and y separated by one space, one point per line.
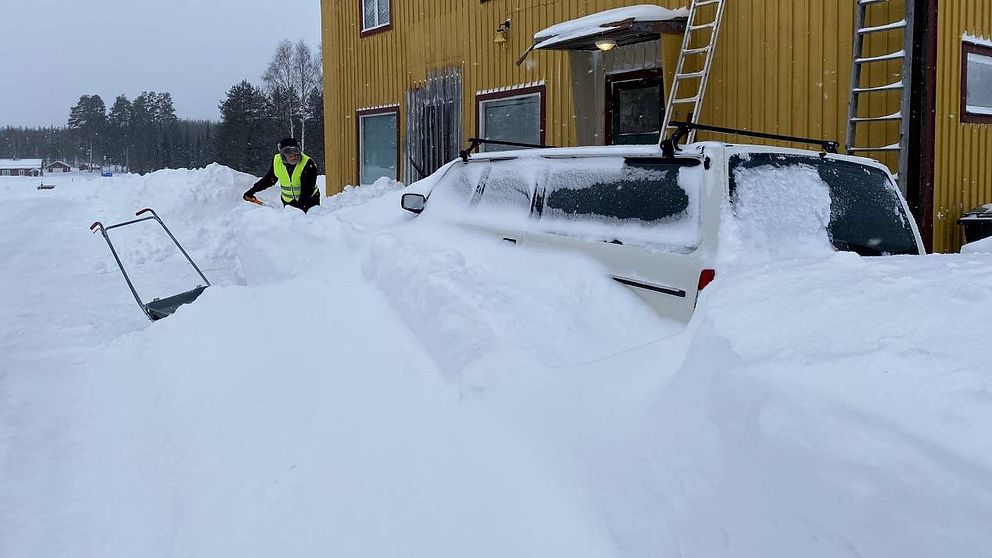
407 82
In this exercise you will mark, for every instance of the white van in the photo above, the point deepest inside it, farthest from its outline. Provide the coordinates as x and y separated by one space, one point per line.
654 217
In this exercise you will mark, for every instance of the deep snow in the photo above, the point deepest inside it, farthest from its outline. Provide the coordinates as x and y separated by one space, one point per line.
360 382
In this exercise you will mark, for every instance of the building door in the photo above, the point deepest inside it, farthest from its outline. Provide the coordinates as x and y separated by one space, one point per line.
634 107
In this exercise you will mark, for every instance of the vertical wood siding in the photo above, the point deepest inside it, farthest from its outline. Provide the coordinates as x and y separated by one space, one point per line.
430 34
963 174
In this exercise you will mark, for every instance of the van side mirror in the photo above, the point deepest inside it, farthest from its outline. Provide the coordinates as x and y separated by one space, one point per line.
413 202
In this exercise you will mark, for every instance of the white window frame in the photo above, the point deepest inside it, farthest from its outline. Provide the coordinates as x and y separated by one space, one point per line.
375 113
378 24
5 172
978 50
490 98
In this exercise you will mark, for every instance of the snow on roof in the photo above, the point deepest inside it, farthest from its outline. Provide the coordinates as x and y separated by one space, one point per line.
606 21
20 163
976 40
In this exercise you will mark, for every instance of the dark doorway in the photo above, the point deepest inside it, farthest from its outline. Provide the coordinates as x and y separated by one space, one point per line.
923 126
634 107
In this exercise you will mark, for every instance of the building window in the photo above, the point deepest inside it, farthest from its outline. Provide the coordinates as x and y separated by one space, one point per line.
5 172
976 84
634 107
376 16
378 144
515 116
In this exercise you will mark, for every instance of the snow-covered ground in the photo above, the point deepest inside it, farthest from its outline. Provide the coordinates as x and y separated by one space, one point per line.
362 383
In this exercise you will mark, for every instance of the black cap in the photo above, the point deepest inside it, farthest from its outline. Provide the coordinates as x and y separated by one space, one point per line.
289 142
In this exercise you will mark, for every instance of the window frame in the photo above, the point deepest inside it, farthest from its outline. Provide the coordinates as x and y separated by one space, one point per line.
512 93
966 49
382 28
372 112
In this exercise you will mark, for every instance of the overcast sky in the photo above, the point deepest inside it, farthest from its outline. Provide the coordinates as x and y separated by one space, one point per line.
53 51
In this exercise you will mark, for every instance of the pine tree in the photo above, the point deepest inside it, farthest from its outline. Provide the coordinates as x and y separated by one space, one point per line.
315 122
245 129
120 122
87 123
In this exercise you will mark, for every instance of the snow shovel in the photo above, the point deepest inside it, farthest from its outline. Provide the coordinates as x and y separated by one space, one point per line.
254 200
159 307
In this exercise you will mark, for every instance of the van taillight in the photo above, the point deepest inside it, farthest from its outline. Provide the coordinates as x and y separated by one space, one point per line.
706 277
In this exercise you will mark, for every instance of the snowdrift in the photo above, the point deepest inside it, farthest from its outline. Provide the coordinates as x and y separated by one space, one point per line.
361 383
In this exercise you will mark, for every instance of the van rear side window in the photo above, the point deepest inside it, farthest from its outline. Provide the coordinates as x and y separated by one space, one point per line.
654 205
866 212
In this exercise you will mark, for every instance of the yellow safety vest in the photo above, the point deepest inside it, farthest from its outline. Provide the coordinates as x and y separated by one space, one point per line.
290 185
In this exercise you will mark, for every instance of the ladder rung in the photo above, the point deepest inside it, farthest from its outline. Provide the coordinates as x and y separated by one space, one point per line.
707 3
889 87
696 50
690 75
895 116
869 2
685 101
887 27
892 56
703 26
893 147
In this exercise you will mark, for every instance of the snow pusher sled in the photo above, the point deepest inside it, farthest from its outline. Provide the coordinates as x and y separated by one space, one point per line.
159 307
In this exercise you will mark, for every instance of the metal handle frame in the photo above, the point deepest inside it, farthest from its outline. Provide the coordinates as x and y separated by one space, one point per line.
153 217
671 145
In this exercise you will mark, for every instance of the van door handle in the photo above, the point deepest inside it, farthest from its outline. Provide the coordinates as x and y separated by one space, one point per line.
510 240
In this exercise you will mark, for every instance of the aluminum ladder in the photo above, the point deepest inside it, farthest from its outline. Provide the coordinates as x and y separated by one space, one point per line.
903 84
688 88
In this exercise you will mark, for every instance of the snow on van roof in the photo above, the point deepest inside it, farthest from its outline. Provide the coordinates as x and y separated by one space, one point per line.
606 22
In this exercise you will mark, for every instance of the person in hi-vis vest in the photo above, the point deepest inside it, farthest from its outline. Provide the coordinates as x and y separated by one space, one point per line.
296 174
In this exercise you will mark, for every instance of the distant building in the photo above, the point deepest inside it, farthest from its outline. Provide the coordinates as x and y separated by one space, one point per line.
20 167
57 167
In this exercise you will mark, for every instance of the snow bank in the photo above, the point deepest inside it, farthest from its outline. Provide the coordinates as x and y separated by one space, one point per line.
363 382
843 408
983 246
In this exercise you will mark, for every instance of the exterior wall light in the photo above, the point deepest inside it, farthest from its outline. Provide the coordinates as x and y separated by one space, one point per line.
501 31
605 44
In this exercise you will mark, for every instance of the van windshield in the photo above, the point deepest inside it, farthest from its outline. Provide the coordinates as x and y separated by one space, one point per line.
867 215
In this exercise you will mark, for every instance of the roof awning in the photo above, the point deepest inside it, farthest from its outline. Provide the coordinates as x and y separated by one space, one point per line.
622 26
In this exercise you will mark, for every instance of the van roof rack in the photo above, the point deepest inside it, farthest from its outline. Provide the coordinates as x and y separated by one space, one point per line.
682 129
474 143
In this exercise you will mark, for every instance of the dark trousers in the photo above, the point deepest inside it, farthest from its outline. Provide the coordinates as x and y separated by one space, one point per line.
304 205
